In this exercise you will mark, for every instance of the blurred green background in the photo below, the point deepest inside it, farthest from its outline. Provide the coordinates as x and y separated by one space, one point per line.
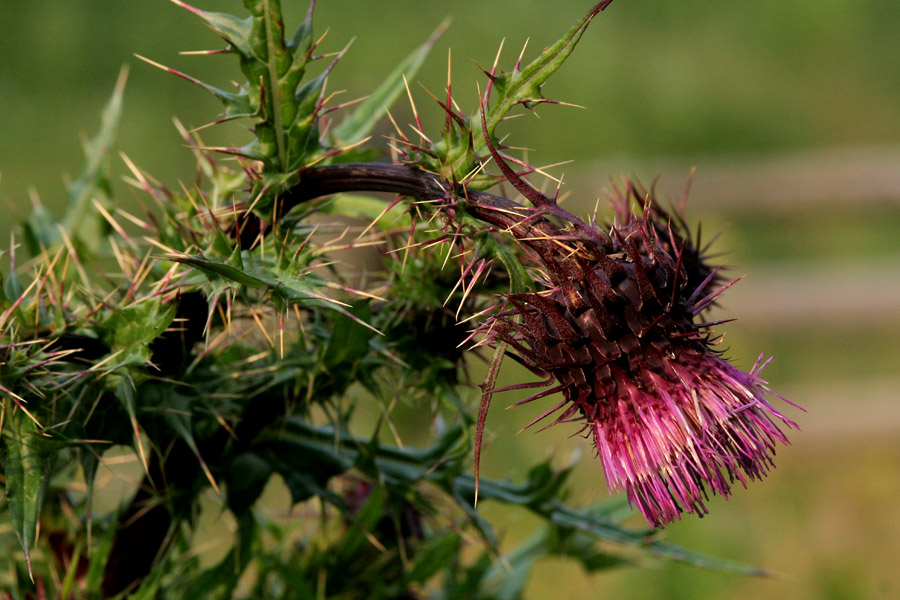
789 110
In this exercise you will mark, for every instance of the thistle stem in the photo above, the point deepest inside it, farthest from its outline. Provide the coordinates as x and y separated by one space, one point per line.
526 222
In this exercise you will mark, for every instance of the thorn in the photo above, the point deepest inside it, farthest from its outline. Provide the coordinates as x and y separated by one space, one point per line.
422 134
215 91
447 110
481 267
412 231
391 205
521 55
412 104
497 59
700 305
487 391
396 127
447 124
687 189
114 224
543 416
203 52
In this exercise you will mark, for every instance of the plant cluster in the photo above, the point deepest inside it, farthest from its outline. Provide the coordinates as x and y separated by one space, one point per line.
222 337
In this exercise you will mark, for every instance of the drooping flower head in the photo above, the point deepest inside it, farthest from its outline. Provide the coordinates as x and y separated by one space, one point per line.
618 331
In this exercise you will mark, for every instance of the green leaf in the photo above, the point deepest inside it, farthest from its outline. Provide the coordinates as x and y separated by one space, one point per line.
69 583
12 287
325 452
279 70
697 559
509 580
127 396
90 461
40 229
99 557
233 30
433 556
302 40
349 338
589 523
219 582
523 86
237 104
245 479
83 221
129 330
149 586
305 464
287 283
176 410
360 124
491 246
253 278
365 521
27 468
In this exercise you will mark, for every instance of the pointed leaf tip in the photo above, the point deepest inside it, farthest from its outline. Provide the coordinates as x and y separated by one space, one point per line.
233 30
27 469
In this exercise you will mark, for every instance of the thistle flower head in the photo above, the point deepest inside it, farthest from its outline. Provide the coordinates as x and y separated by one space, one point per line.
617 330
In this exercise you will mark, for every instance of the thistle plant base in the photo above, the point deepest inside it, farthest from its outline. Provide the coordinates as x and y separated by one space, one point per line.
225 348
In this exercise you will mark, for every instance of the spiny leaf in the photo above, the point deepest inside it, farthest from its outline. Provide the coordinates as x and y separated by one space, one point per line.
82 221
302 40
366 519
433 556
126 394
524 85
274 69
246 477
540 492
98 559
221 580
27 469
69 583
13 287
177 413
601 528
286 284
40 229
233 30
251 276
149 587
509 579
349 339
130 329
697 559
90 461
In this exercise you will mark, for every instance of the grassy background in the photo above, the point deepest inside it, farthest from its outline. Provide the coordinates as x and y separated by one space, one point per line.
790 110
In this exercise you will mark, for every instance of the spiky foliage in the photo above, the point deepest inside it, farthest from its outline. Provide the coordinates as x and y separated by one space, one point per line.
221 338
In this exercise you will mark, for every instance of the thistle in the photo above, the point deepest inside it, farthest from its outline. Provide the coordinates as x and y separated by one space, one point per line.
222 339
617 330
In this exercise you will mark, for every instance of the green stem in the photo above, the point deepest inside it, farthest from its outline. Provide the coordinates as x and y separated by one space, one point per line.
275 84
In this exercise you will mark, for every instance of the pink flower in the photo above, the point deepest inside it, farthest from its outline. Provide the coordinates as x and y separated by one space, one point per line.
616 328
